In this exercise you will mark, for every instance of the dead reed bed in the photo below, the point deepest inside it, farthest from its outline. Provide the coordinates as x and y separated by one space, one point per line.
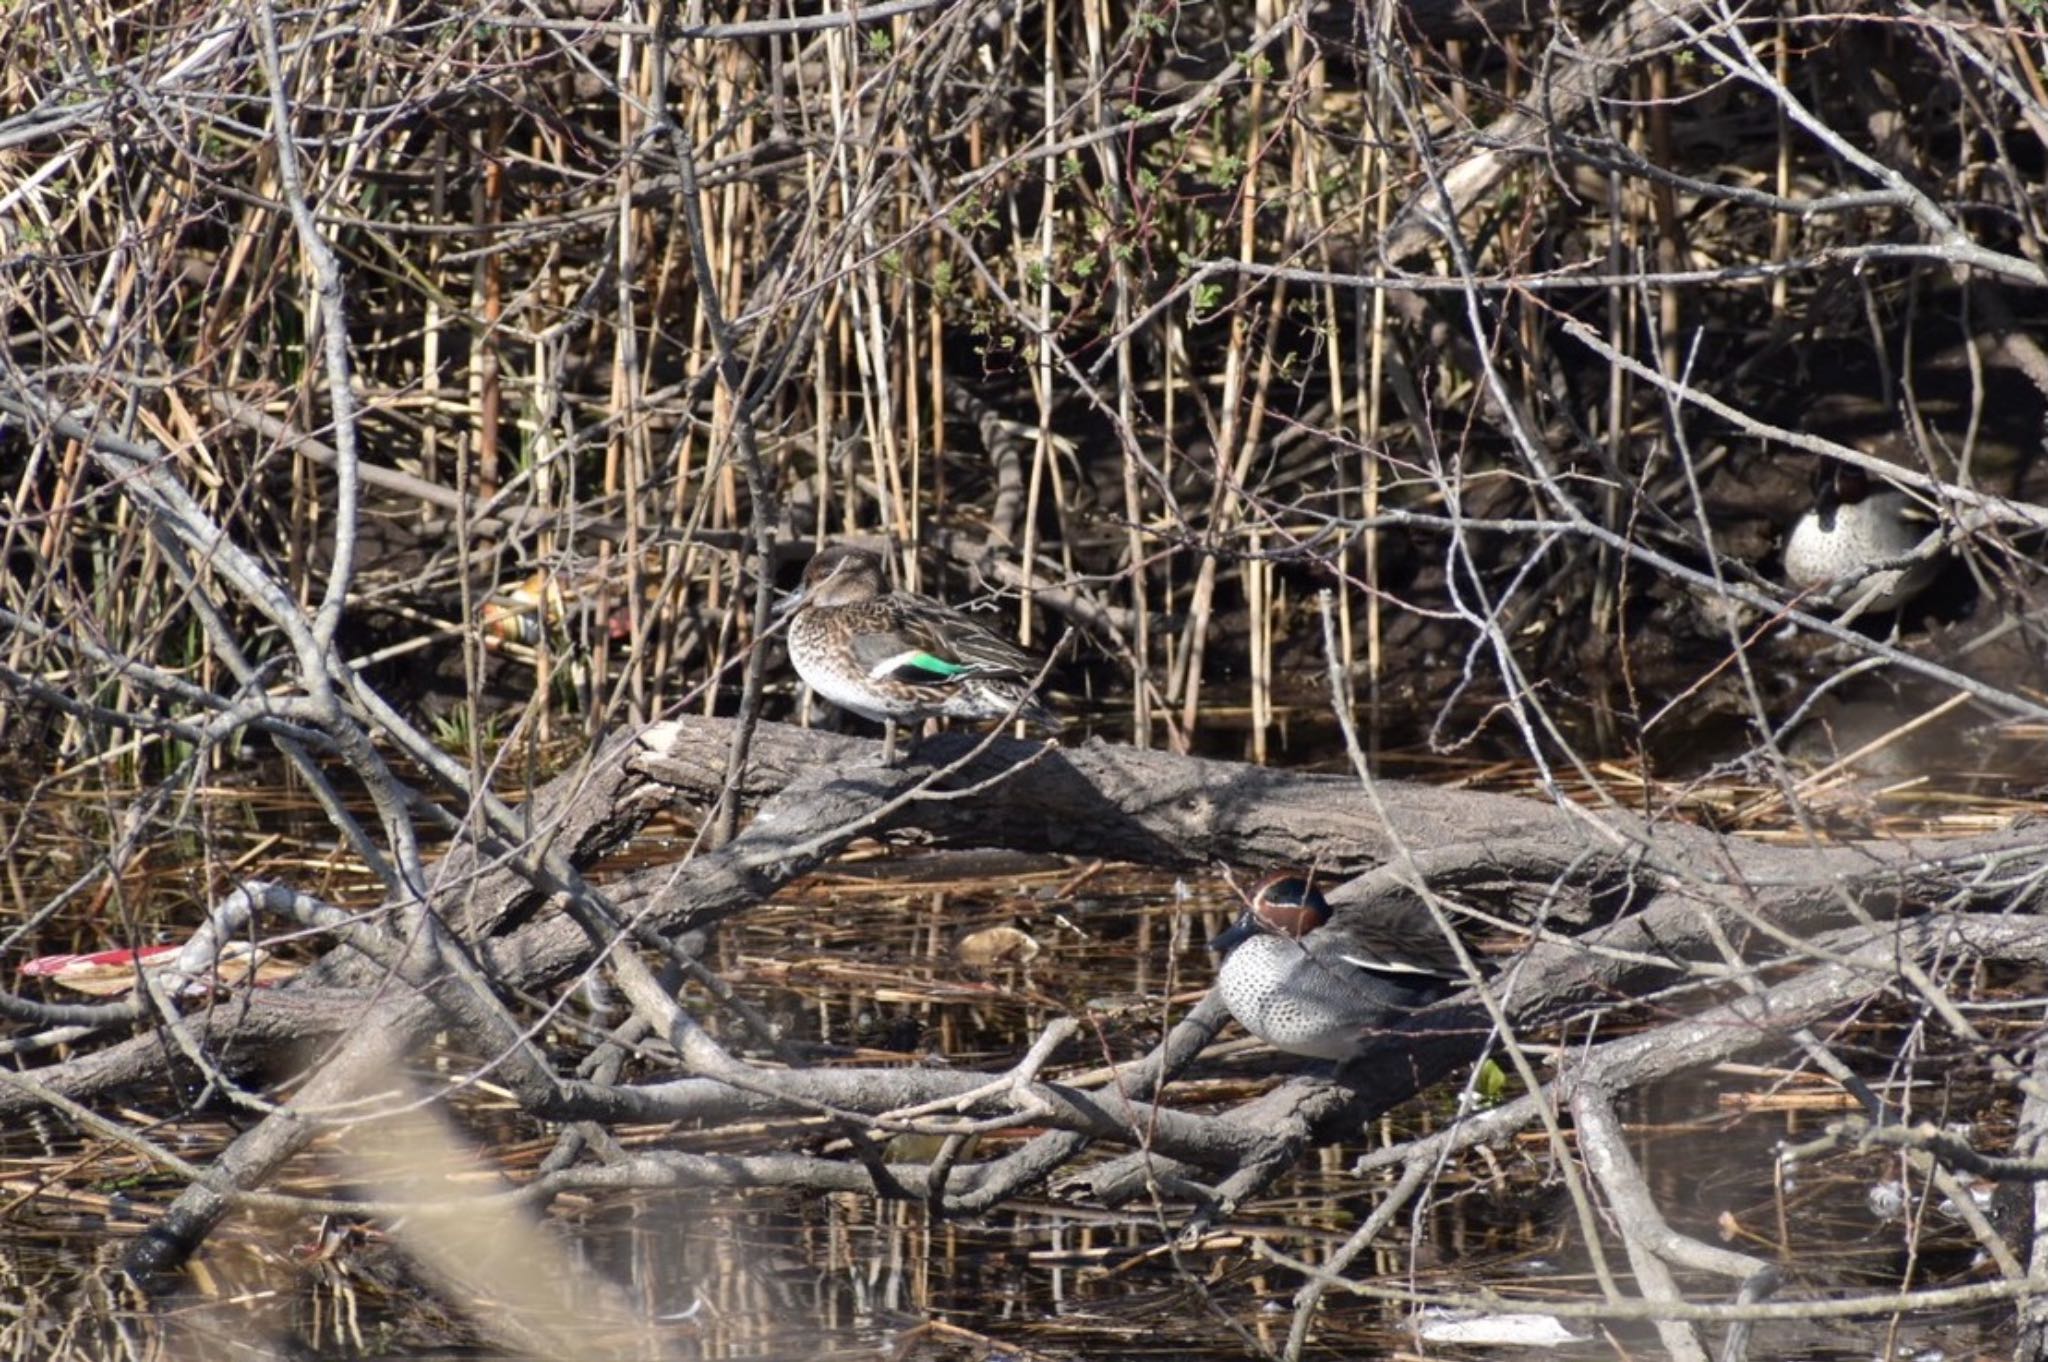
1121 315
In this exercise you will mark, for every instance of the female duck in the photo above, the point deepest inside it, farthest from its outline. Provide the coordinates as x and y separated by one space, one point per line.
892 656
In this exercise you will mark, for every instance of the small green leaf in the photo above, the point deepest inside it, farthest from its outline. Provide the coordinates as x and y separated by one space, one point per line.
1490 1084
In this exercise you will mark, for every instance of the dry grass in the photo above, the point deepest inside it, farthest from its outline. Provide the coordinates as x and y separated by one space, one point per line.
997 288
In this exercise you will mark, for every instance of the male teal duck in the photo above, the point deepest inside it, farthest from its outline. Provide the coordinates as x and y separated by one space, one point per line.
893 656
1856 524
1312 987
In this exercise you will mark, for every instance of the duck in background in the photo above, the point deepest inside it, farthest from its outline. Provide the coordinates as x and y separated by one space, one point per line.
1850 543
893 656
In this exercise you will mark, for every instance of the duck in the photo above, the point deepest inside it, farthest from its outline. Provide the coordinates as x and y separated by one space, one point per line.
895 656
1308 986
1856 523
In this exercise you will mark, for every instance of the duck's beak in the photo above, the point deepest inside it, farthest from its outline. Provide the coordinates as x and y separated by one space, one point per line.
1240 931
788 604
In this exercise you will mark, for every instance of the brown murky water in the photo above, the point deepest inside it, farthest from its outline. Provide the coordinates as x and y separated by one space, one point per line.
869 959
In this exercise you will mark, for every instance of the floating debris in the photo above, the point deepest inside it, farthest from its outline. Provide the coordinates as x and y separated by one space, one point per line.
1473 1329
106 974
992 946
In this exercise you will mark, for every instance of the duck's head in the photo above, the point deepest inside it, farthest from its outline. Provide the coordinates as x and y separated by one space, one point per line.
1835 485
839 575
1285 903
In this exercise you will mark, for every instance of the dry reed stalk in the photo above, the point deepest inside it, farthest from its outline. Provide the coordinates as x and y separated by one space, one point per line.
1042 372
1782 227
1258 591
1379 176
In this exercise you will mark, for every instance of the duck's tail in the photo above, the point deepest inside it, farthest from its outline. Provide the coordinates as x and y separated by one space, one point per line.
1014 699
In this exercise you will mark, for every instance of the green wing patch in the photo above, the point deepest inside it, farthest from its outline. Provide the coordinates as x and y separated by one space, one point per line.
917 667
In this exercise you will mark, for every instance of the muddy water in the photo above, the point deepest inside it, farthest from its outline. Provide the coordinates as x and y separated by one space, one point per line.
877 963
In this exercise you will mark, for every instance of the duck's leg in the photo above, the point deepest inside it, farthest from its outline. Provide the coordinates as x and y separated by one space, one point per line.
888 742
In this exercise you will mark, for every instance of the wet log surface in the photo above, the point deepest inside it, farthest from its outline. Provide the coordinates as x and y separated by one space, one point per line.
818 791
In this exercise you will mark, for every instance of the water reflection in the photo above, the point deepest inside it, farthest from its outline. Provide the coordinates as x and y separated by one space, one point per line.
866 966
